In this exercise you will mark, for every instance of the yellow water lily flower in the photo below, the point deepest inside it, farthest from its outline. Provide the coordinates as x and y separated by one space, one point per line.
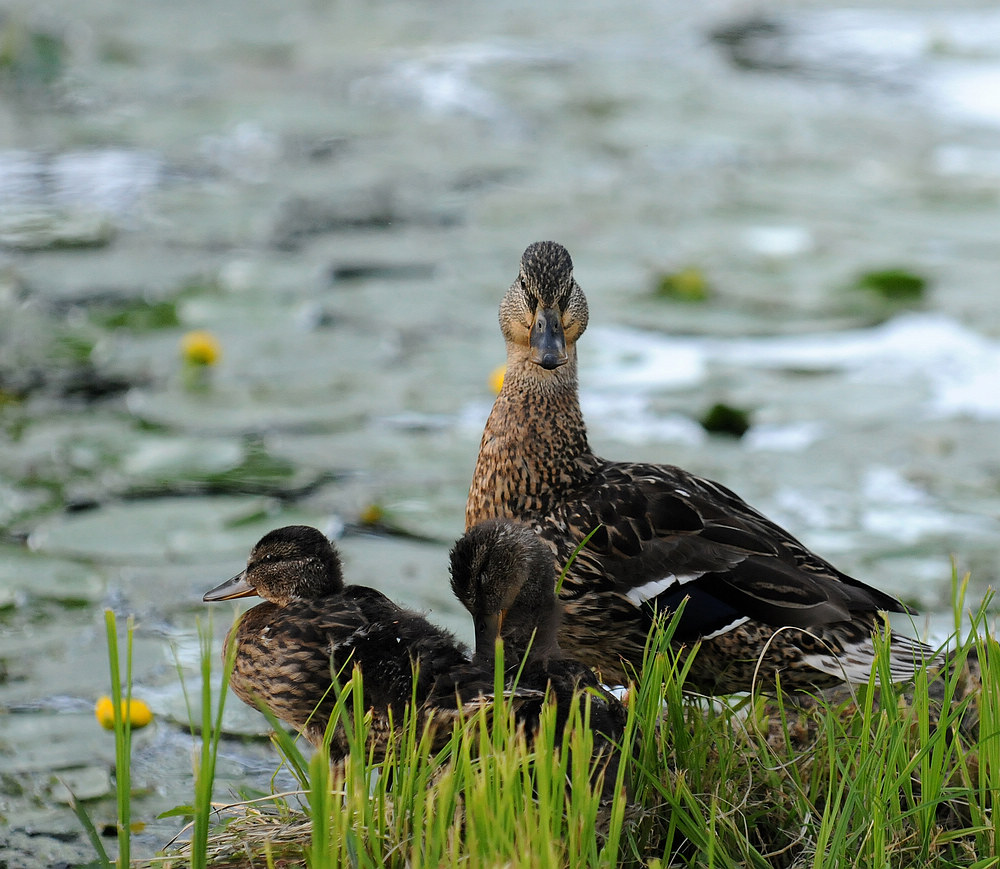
200 347
496 377
139 713
371 514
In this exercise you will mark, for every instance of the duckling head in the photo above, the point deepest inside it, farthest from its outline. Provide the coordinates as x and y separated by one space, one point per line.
503 574
544 312
296 562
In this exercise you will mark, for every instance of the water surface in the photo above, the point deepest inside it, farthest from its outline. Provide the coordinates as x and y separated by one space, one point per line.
341 192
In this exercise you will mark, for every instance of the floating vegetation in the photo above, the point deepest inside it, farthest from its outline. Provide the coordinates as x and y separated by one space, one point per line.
725 419
200 352
29 55
382 271
256 472
496 378
200 348
371 515
76 382
894 285
55 228
687 285
137 711
139 316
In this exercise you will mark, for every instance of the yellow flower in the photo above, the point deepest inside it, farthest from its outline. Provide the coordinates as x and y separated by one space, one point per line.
139 713
200 347
372 514
496 377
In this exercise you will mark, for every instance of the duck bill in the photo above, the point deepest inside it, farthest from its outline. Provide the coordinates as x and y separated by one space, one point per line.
231 588
548 342
487 634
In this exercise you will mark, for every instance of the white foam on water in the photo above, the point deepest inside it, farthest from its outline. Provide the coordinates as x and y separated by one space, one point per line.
106 179
958 368
791 438
618 357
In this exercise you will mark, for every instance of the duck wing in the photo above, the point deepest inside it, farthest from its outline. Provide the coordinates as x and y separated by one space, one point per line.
287 657
462 692
401 654
663 535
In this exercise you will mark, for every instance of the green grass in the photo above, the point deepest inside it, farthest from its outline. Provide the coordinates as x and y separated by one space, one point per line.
121 701
875 777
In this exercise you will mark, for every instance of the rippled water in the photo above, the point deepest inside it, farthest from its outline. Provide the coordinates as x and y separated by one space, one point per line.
341 193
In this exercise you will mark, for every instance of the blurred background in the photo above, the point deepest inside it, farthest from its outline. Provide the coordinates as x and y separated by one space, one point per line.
250 260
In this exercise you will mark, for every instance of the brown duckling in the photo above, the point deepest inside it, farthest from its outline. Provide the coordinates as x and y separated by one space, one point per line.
504 576
760 603
313 628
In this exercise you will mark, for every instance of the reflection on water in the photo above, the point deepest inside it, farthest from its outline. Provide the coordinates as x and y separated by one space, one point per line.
340 196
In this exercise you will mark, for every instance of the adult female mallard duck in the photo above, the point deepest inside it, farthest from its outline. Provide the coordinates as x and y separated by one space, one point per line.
759 601
312 629
504 576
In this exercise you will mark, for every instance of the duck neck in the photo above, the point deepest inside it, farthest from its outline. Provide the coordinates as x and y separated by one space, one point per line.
534 445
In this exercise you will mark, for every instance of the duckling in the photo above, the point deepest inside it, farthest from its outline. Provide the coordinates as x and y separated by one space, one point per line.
504 576
761 604
312 629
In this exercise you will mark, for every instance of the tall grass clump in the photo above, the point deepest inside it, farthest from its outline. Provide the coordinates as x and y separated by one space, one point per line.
484 791
870 776
121 703
211 732
475 793
206 733
121 706
123 732
876 775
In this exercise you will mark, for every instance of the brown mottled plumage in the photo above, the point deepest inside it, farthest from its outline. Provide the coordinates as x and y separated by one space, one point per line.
313 627
504 576
760 602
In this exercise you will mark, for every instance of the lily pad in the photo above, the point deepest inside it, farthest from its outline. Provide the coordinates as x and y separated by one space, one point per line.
164 529
85 783
30 575
49 229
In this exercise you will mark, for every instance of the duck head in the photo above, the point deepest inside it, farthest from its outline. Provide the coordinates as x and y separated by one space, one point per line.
296 562
503 574
544 312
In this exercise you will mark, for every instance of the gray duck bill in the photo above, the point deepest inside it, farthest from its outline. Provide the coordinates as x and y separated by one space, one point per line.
231 588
